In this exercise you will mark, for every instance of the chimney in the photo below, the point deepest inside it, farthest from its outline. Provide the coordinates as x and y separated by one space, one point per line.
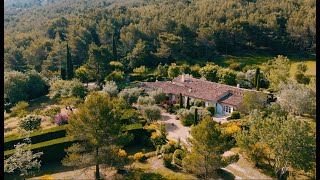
238 85
182 78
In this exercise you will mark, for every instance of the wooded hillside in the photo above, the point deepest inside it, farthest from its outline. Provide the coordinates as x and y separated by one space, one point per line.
146 32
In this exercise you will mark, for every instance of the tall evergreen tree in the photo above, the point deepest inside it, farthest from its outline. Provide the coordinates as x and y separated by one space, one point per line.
98 143
196 116
258 82
69 64
188 103
205 157
181 101
256 77
114 47
63 73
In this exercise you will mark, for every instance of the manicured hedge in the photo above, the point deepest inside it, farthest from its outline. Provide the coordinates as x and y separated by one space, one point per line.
141 135
53 150
36 137
131 127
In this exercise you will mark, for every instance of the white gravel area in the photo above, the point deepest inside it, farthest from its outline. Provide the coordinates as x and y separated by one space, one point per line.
174 128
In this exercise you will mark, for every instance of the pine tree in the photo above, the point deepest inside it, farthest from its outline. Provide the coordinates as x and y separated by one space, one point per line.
205 157
99 142
181 101
69 64
56 55
188 103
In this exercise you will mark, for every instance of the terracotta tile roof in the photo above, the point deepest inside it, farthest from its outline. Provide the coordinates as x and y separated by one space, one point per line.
232 99
198 88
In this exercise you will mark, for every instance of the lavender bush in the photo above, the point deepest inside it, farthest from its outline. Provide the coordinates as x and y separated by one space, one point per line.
61 119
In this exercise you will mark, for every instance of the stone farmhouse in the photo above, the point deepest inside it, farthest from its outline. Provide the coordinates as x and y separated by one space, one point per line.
224 98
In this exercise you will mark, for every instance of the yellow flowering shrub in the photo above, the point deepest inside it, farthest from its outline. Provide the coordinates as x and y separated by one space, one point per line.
259 152
139 156
46 177
122 153
151 126
232 128
154 136
172 142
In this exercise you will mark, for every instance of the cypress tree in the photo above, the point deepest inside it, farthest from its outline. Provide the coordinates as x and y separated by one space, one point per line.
196 116
63 73
114 47
69 64
181 101
258 82
256 77
188 103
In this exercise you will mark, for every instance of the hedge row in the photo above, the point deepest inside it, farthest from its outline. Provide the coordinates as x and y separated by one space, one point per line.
36 137
53 150
131 127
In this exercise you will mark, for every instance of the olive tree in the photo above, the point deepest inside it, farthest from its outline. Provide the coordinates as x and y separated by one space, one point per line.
297 98
151 113
111 88
131 95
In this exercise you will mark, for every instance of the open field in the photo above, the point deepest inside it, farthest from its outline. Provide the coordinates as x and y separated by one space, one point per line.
259 57
311 68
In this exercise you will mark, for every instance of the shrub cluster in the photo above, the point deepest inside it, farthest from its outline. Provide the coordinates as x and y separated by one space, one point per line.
131 95
158 96
20 86
52 112
150 112
61 119
211 109
177 157
30 122
167 160
65 88
235 115
146 100
186 117
198 103
157 139
173 153
139 156
20 109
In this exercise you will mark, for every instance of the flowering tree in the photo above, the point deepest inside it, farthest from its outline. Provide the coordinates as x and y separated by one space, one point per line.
22 160
61 119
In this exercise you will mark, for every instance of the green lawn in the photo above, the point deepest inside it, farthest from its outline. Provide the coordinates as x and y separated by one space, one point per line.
261 56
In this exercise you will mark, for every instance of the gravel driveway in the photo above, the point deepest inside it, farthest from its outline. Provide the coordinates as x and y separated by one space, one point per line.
174 127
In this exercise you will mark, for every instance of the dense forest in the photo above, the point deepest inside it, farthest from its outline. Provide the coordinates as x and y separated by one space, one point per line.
74 72
151 31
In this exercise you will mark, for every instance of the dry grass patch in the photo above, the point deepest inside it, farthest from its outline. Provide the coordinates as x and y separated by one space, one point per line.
311 68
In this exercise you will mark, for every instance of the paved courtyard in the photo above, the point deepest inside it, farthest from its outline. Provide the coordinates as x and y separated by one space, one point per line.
174 127
220 118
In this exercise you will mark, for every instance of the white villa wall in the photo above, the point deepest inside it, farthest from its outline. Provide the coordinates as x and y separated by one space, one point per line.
207 103
232 108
